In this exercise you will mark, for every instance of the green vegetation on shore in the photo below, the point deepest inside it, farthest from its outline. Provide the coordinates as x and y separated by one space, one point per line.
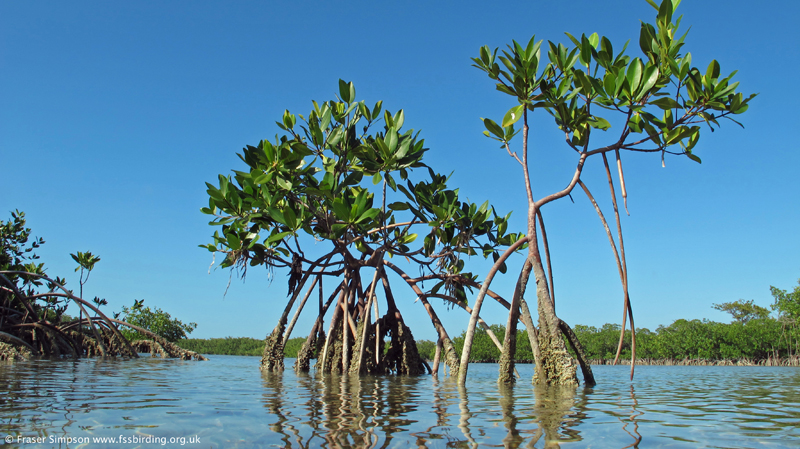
754 335
756 339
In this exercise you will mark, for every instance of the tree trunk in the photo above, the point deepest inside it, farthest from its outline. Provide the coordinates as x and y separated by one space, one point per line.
509 350
437 356
323 364
289 329
469 335
557 365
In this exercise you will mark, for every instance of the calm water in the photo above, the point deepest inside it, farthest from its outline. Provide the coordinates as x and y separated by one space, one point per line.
227 402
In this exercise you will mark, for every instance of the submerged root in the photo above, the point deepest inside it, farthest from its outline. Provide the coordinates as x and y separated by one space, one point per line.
9 353
450 357
272 359
506 375
558 367
409 362
311 347
365 364
164 349
401 356
155 349
333 362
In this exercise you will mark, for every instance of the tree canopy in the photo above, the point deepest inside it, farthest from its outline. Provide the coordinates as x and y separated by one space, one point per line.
350 181
743 311
656 102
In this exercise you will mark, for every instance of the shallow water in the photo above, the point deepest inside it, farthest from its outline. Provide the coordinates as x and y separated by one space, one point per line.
228 402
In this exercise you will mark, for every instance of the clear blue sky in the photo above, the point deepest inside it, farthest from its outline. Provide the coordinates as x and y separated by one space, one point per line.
113 115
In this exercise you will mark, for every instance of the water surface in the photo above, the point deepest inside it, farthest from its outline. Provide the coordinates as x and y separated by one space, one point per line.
228 402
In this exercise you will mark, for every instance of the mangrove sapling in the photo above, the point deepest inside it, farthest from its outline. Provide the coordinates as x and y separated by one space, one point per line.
582 87
310 187
86 262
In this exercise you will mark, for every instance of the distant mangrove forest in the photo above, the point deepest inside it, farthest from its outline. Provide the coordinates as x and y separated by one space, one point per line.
753 341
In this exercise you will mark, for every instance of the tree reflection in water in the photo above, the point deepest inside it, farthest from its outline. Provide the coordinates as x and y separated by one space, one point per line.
632 418
337 411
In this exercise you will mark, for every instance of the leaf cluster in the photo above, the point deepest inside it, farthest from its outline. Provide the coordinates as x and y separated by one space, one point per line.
742 311
155 320
342 174
787 303
659 99
17 253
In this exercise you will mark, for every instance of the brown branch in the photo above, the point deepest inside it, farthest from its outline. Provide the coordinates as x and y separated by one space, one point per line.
586 368
623 267
470 333
547 257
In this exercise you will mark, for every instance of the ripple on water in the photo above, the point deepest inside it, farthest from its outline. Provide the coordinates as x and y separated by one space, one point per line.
228 402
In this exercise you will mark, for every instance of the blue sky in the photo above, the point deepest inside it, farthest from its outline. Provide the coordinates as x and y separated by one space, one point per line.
114 115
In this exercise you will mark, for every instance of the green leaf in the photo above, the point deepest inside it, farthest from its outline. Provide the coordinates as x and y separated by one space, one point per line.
387 117
290 217
665 11
341 211
399 119
233 241
650 77
347 91
594 39
513 115
390 181
276 237
376 111
665 103
403 150
391 140
712 72
284 184
276 215
635 74
376 179
599 123
369 214
260 178
693 157
493 127
399 205
361 246
325 121
364 110
406 239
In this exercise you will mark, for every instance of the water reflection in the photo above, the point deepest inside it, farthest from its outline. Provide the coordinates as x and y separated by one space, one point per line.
228 402
371 412
634 433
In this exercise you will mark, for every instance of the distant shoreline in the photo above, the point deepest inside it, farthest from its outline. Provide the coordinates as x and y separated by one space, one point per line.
793 361
778 361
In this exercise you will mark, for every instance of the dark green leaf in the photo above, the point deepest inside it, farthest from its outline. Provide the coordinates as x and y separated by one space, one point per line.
399 205
493 127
